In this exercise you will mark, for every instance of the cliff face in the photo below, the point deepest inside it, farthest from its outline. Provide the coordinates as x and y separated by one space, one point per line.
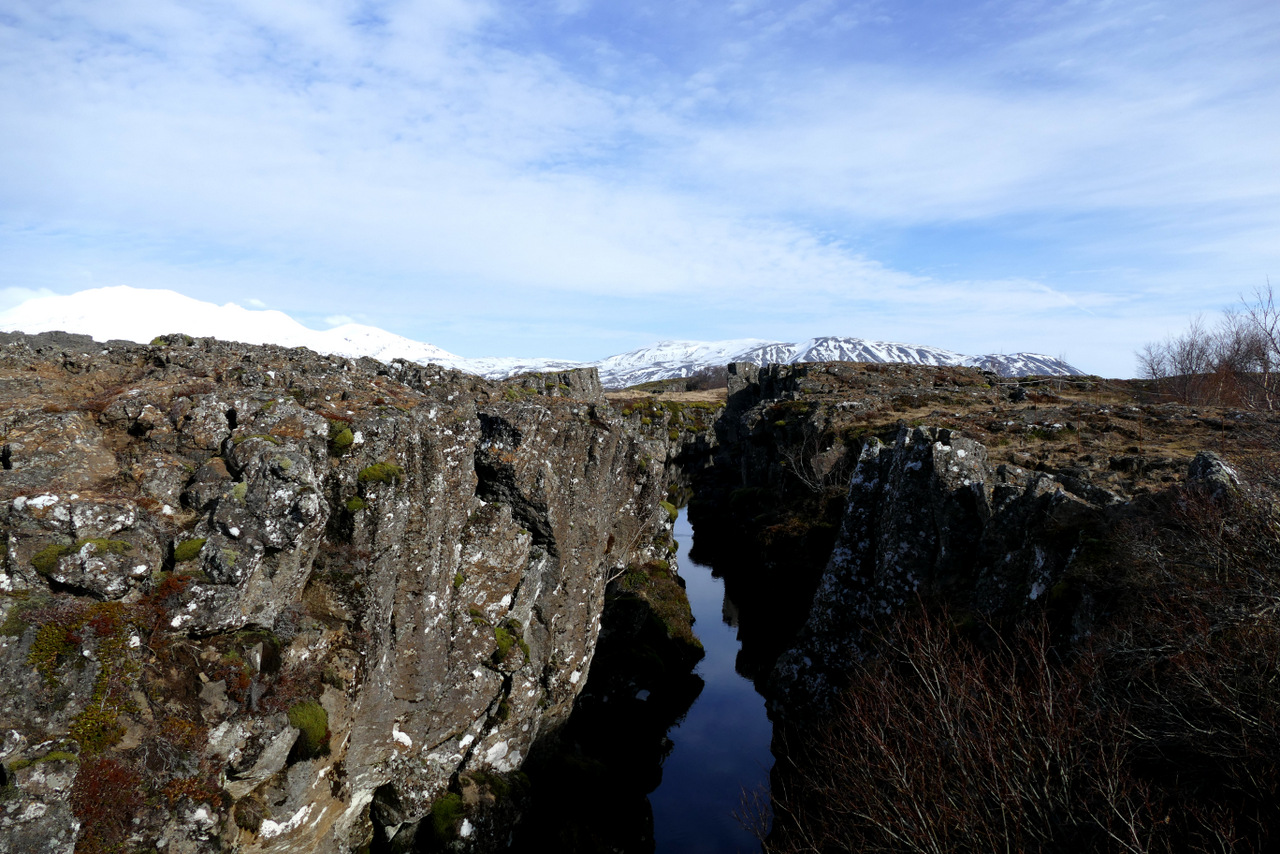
929 516
833 504
294 598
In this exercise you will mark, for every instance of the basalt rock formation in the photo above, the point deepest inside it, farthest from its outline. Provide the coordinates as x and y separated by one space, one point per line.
1045 620
842 493
930 516
294 602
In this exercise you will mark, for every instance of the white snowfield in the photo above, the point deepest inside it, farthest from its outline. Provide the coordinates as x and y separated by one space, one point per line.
135 314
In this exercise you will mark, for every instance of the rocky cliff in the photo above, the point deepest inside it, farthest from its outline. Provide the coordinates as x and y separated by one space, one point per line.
1046 620
929 516
293 602
843 493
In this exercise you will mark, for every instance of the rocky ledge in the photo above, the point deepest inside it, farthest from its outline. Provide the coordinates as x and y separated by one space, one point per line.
263 600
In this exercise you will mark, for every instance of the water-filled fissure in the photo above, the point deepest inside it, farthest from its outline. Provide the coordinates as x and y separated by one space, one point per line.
656 758
720 748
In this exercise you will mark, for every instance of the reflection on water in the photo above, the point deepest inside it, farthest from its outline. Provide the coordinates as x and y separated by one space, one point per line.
644 725
721 747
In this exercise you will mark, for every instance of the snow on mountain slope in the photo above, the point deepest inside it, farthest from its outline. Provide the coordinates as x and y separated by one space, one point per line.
135 314
140 315
682 358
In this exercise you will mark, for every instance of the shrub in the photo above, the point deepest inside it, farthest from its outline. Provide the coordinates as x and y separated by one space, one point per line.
312 722
1233 363
97 727
940 746
381 473
105 797
188 550
1157 731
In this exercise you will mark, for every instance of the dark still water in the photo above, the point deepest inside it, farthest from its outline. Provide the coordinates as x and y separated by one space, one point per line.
721 747
654 759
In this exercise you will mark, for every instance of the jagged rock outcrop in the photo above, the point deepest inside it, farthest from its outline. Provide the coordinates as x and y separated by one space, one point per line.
929 516
295 599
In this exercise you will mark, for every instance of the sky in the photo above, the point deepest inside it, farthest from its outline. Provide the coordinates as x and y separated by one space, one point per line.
575 179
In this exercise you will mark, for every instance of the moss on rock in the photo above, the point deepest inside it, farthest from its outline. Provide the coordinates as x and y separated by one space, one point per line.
188 550
381 473
312 722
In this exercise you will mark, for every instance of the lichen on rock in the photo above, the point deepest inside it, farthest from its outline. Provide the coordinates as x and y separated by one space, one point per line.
246 576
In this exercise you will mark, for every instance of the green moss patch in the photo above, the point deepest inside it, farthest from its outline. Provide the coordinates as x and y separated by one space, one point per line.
188 550
275 440
508 635
381 473
355 504
340 437
312 722
446 813
46 560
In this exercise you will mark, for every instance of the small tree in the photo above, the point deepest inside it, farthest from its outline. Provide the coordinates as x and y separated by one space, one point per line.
1233 362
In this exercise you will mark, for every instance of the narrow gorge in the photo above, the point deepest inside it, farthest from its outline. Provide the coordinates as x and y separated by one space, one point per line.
296 603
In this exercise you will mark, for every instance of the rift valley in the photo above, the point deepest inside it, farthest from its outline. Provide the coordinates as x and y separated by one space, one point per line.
257 599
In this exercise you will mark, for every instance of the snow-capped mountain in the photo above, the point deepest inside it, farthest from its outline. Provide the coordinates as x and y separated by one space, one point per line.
140 315
136 314
669 359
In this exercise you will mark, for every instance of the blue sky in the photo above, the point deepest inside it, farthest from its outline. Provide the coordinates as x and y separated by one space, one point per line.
574 178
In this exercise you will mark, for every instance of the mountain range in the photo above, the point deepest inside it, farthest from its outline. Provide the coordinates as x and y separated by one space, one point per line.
140 315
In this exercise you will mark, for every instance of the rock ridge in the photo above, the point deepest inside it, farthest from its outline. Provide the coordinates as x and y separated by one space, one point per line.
301 599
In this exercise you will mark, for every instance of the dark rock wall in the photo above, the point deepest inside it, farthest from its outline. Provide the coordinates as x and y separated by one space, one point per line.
929 517
421 553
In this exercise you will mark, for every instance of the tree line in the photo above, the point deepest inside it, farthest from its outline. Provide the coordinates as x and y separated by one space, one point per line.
1233 362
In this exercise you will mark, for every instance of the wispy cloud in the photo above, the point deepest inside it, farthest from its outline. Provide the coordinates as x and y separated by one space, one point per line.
778 167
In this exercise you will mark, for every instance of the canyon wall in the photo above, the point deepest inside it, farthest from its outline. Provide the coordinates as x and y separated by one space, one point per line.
295 601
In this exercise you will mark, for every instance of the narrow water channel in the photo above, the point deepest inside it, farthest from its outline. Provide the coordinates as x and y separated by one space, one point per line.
721 746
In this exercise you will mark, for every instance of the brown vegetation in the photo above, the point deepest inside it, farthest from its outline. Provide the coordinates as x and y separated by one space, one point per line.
1233 363
1158 730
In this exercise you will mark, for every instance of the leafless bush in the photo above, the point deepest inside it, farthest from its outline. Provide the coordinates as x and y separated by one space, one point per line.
818 460
941 747
1231 363
1159 731
708 378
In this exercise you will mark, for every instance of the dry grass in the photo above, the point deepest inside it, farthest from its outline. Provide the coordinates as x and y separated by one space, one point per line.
714 395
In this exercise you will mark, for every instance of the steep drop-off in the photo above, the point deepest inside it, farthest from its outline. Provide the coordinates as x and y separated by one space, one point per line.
296 603
1033 615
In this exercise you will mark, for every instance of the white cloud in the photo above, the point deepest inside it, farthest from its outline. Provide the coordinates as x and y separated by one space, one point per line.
254 302
338 320
425 143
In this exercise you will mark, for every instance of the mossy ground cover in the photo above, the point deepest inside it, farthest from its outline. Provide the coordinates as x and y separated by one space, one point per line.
655 585
188 550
